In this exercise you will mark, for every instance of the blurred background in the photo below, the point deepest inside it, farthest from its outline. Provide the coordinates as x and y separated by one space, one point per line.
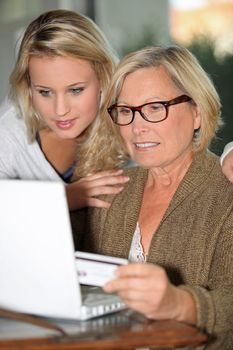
203 26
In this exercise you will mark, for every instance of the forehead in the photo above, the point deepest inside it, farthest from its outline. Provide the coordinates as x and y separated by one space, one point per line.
59 64
147 82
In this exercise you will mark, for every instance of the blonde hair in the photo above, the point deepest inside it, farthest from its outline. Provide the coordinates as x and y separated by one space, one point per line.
64 33
187 75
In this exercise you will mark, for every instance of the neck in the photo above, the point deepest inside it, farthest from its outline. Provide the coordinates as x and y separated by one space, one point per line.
171 175
61 153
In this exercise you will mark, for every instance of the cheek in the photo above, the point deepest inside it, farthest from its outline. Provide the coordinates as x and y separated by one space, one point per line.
90 102
125 133
41 106
176 132
183 131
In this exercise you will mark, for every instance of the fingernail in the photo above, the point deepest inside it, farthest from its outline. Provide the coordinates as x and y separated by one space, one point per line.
126 178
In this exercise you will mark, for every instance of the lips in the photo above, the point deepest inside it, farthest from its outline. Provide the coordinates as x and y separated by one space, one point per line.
145 145
65 124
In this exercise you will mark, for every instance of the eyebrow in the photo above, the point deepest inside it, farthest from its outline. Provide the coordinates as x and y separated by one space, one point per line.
68 86
148 100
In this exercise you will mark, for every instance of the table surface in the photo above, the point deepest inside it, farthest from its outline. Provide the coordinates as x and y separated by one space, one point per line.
122 330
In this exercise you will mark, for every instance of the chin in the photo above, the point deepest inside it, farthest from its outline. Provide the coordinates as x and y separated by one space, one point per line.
143 164
66 135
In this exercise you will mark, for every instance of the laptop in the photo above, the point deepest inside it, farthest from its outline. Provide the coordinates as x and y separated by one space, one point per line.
38 269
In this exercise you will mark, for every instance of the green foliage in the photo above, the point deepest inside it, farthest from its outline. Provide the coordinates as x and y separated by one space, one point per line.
146 38
220 71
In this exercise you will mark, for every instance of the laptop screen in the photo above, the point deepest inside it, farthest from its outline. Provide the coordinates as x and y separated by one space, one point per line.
37 265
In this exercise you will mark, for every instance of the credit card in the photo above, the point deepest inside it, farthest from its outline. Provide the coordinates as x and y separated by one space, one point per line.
96 269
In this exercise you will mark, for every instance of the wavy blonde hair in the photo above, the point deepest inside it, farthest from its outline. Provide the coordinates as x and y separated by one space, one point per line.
66 33
187 75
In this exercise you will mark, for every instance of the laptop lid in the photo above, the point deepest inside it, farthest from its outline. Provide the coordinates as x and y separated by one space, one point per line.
37 265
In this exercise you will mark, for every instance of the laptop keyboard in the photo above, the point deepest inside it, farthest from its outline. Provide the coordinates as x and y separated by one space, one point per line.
96 302
95 295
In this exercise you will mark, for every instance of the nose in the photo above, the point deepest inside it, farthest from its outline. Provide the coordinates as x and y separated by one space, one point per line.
62 105
139 124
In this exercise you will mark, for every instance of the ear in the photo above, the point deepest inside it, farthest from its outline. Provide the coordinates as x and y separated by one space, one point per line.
196 117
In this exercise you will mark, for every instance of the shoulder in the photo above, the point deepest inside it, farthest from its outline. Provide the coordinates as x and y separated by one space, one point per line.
136 172
12 126
212 164
137 179
207 165
204 165
209 181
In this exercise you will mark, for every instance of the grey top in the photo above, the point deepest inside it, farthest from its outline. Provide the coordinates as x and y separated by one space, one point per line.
18 158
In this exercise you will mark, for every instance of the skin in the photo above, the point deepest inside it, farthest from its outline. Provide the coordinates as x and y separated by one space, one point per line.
164 148
66 94
68 101
227 166
168 147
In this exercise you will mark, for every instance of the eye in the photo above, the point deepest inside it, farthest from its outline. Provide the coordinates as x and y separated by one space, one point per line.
154 107
45 93
76 91
124 110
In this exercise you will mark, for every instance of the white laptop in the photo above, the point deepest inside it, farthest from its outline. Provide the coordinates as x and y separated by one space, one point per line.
38 272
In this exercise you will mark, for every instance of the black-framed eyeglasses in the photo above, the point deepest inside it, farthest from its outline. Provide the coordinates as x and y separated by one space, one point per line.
153 112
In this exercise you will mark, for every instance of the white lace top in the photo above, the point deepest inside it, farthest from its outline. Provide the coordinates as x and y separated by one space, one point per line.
136 253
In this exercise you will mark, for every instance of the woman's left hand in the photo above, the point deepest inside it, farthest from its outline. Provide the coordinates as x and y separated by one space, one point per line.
146 288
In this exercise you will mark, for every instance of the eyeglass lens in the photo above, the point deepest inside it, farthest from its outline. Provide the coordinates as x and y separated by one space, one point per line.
153 112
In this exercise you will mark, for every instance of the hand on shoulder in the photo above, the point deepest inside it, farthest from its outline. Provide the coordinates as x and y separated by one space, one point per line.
84 192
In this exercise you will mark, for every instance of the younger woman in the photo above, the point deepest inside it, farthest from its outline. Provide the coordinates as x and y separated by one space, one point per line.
58 83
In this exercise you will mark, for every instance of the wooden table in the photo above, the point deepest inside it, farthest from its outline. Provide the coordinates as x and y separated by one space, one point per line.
122 330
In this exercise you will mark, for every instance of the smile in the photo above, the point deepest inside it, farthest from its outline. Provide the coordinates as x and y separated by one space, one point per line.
146 145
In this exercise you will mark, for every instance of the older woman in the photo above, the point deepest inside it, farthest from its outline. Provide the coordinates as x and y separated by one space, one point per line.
174 220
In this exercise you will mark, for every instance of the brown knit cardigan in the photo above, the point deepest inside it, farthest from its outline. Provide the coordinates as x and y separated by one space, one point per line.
194 241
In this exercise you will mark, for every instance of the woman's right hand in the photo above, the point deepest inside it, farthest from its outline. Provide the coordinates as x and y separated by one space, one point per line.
227 166
84 192
146 288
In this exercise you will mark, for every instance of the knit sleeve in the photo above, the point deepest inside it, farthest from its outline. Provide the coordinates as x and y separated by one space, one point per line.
215 303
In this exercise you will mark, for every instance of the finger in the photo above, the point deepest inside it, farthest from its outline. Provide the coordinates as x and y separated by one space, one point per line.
97 203
90 202
103 181
109 180
228 171
96 191
138 270
104 173
229 175
127 285
139 306
140 301
230 178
